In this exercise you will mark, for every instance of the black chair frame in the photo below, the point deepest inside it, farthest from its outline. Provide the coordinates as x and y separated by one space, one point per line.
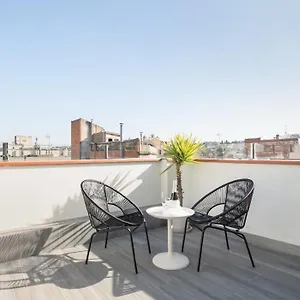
217 221
110 222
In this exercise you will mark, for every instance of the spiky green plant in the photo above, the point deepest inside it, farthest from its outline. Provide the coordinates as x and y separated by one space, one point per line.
181 149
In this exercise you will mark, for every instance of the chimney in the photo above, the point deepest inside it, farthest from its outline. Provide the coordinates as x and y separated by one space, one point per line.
141 138
121 141
5 151
90 133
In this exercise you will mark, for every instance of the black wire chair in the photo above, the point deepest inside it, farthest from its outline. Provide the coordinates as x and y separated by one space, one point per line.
98 198
236 198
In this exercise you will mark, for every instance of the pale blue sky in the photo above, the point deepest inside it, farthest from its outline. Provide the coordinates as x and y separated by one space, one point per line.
159 66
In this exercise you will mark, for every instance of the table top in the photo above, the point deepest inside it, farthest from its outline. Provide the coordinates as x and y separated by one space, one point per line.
161 212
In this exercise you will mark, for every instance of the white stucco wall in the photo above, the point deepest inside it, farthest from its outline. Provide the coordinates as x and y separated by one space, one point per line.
41 194
274 212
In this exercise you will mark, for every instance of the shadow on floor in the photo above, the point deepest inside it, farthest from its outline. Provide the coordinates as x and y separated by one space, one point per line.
69 271
67 277
64 272
60 270
23 244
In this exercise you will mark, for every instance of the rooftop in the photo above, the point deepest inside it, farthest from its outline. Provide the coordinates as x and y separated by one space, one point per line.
110 274
259 140
113 133
43 237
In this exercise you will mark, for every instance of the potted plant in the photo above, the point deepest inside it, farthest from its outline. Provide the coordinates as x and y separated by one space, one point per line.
181 149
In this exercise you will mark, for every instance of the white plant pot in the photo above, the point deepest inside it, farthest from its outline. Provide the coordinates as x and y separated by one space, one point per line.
179 224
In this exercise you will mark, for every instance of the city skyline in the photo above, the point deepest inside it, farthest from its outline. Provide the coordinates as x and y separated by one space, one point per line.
46 140
160 67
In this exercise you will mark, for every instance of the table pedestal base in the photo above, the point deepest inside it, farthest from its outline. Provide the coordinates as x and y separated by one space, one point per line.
172 261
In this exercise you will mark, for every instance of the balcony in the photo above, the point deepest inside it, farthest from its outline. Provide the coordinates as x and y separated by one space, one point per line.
44 231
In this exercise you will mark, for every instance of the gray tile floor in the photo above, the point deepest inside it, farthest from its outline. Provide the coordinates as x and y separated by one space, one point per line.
110 273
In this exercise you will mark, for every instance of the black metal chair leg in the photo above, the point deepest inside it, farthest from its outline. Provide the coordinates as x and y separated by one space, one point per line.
133 252
201 246
226 237
106 238
184 234
89 249
248 249
146 231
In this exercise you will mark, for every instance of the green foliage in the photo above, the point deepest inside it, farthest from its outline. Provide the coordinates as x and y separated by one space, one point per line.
182 149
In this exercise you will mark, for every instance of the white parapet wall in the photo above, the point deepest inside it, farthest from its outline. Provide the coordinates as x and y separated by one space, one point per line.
34 193
274 212
43 193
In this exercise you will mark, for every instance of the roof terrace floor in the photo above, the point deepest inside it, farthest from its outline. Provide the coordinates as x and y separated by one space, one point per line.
110 274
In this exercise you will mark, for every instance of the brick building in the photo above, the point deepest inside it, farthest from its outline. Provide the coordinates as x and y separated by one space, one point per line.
271 148
82 132
90 141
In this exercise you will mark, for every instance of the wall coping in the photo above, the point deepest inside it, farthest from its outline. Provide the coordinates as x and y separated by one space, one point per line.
76 162
142 160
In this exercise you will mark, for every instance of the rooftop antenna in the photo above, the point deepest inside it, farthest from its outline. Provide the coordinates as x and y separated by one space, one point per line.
48 138
141 137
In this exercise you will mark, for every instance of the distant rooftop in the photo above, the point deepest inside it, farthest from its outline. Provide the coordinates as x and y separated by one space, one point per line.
112 133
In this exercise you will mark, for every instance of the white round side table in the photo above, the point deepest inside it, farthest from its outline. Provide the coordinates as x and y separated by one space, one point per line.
170 260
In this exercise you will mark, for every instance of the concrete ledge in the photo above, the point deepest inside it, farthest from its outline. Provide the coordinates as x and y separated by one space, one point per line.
40 163
59 235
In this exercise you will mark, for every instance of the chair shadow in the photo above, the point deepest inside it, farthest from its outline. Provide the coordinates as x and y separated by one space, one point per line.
121 283
69 271
78 275
124 281
60 270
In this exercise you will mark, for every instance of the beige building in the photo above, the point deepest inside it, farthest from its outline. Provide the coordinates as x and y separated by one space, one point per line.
106 137
151 146
23 140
